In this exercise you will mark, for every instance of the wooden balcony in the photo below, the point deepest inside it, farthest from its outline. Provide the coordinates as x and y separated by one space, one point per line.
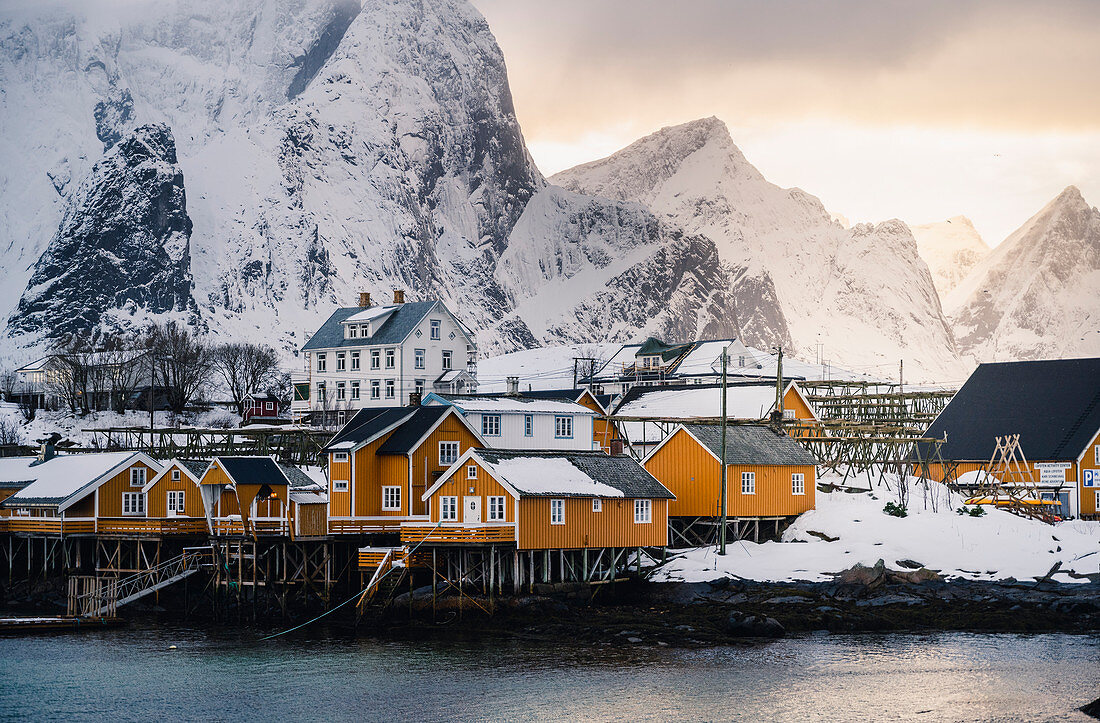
363 527
151 526
47 526
412 534
264 527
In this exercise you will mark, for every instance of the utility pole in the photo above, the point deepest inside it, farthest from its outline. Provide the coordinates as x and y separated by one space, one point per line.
152 379
779 381
722 499
901 375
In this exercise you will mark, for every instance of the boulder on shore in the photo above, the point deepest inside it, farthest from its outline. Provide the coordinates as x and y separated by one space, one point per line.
740 625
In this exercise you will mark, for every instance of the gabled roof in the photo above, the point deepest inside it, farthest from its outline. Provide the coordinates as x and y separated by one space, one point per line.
555 473
265 397
298 479
393 330
193 468
405 438
570 395
744 400
519 404
408 424
367 424
655 347
1053 405
66 478
253 470
750 444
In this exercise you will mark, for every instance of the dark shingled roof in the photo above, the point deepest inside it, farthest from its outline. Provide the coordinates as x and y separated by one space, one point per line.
618 471
254 471
368 422
412 429
751 444
297 478
393 331
195 466
1053 405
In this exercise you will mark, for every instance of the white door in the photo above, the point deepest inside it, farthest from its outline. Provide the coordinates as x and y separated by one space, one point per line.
471 510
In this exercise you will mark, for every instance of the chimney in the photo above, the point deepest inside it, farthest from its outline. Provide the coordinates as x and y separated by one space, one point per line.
513 385
616 448
48 450
399 296
364 299
414 399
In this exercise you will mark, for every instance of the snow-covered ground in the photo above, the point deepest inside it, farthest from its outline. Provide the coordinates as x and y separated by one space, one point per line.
548 367
71 428
996 546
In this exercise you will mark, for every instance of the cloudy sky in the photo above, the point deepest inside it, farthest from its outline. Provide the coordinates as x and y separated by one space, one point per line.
883 109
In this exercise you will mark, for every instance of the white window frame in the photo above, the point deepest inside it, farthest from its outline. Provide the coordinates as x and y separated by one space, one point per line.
321 362
1096 455
446 359
788 414
339 485
418 385
391 358
341 361
341 391
798 483
391 388
447 461
490 425
436 329
375 358
339 456
375 389
176 475
597 504
352 331
471 471
355 361
1097 501
528 425
419 355
391 498
497 511
557 512
748 483
180 502
448 508
137 476
355 390
643 512
133 504
563 426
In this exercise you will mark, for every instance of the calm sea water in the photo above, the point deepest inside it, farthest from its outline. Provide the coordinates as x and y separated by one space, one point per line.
130 674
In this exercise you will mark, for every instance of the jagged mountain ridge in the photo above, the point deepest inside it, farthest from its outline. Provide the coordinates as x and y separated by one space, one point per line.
951 249
864 293
1037 294
328 148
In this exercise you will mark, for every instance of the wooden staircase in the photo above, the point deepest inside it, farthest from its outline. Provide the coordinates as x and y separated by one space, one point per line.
91 596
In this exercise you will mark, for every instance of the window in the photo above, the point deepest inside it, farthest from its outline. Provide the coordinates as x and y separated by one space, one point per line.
448 509
133 503
446 358
137 477
339 485
270 405
355 361
557 512
471 471
418 358
597 504
490 425
643 512
341 417
320 362
341 361
798 484
389 388
1098 500
496 509
375 359
788 414
528 425
448 453
341 392
563 427
353 331
391 355
339 456
435 335
355 390
418 385
748 483
175 475
175 502
375 389
1096 455
391 498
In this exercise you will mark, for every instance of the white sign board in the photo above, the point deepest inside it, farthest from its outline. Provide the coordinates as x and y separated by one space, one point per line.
1052 473
1090 478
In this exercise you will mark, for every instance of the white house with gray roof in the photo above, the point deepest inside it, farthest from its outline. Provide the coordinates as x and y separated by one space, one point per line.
512 421
381 356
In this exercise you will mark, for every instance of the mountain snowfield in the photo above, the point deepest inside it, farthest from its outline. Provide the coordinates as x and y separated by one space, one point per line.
1037 295
951 249
321 148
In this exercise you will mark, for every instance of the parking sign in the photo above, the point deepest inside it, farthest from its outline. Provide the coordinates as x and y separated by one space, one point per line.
1091 478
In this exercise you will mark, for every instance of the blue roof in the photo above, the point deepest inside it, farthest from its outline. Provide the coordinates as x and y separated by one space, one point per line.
393 331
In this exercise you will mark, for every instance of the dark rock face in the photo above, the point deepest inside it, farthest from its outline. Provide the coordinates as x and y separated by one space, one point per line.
759 314
122 246
311 62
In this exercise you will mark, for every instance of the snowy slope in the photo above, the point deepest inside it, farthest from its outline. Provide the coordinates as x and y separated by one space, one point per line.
800 278
950 248
1037 295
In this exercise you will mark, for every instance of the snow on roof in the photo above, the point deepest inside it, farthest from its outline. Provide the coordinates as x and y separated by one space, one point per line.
548 475
59 477
524 405
751 401
371 314
706 357
308 498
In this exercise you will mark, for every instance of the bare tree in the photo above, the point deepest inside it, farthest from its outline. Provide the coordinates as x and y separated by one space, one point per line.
9 382
68 373
9 432
181 361
245 368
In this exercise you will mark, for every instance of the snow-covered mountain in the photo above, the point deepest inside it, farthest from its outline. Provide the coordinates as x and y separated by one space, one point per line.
326 148
797 276
951 248
1037 294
